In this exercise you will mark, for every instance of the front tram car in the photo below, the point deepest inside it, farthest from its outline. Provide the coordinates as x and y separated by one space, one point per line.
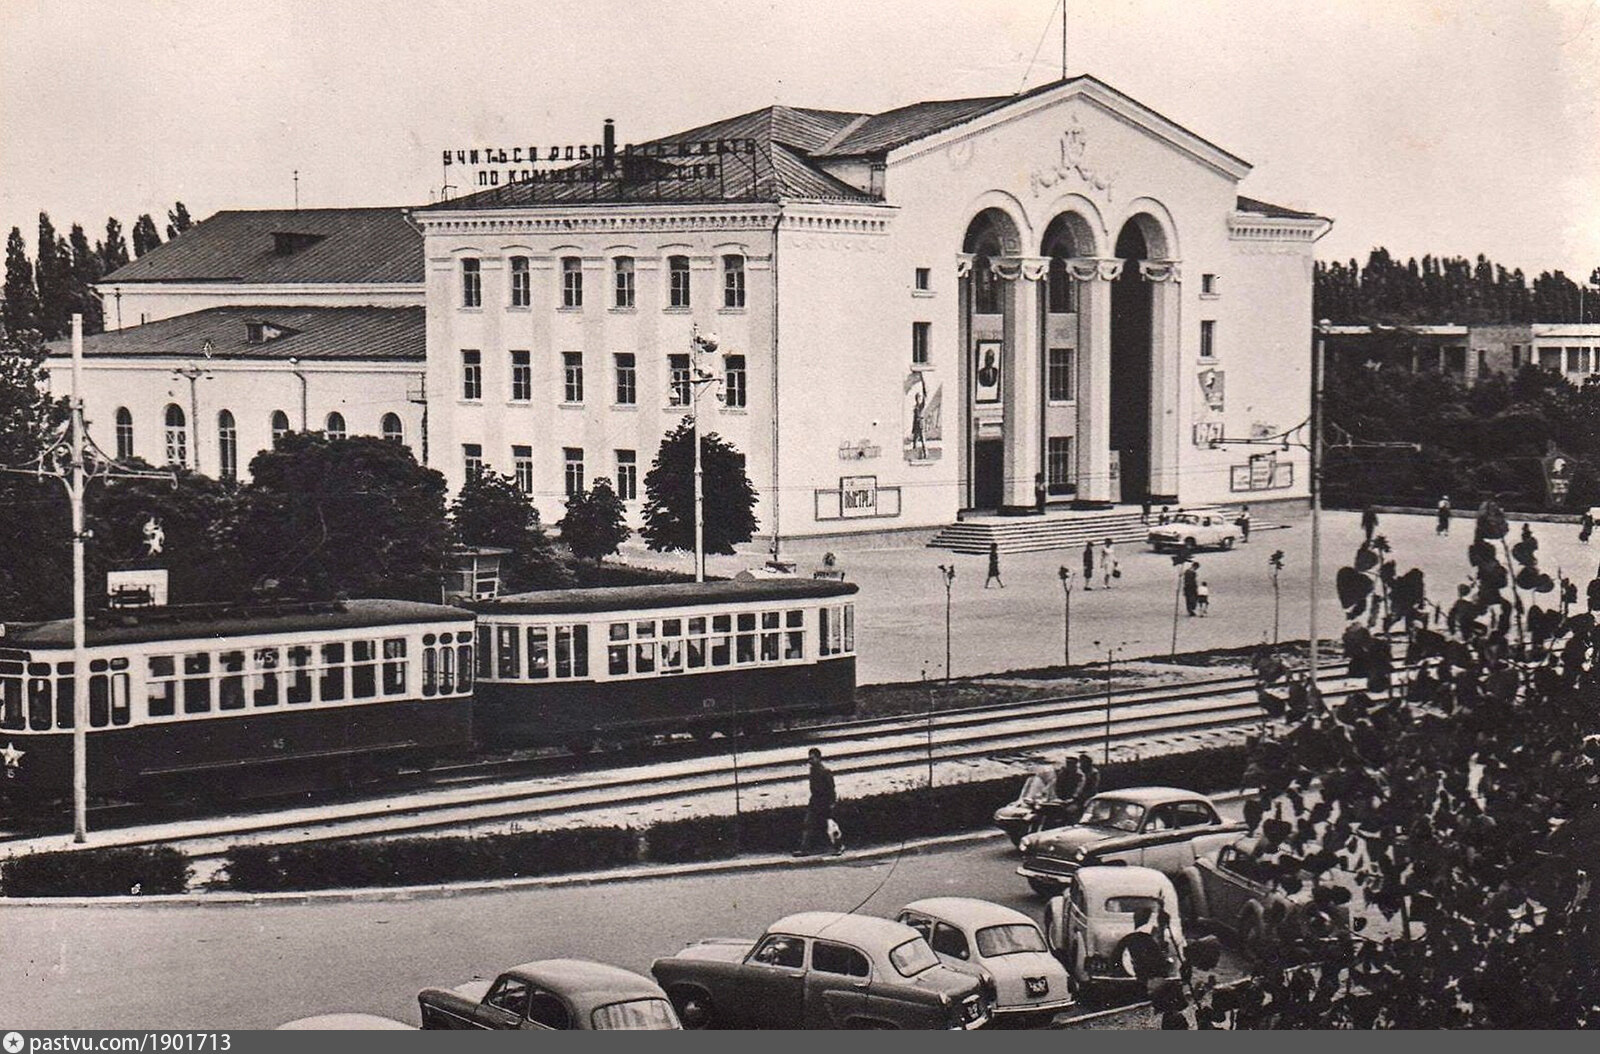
227 701
569 666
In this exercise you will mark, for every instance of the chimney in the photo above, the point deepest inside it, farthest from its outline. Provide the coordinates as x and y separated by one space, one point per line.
609 146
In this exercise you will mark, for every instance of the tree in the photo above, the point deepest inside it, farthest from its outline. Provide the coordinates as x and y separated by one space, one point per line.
85 272
595 523
178 221
114 250
53 276
1462 805
491 510
35 561
145 236
22 296
730 500
199 518
356 516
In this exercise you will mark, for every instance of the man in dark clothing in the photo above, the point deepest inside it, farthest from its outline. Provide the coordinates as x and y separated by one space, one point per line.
820 809
1369 522
1088 565
1443 513
1069 796
1041 493
1091 778
1144 511
1191 586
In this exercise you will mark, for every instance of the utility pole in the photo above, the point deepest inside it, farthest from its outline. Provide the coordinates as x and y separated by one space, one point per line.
294 368
704 344
1313 655
1111 656
949 573
1066 615
71 456
193 372
1063 39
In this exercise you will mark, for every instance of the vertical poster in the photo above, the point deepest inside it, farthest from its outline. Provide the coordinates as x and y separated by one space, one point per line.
923 409
986 378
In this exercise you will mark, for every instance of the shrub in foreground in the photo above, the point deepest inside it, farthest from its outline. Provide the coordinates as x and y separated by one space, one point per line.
144 870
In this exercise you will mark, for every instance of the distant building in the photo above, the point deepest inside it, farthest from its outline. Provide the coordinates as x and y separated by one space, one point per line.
1470 353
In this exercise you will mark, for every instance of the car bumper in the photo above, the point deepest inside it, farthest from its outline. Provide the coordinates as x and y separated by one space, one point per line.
1044 1006
1054 872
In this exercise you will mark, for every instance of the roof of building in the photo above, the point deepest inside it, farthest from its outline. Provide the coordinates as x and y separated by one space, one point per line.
1277 212
286 246
371 334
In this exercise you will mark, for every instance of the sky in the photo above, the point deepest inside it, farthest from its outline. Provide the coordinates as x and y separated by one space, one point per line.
1443 126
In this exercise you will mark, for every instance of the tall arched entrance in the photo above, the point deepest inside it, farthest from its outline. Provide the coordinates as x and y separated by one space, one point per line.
1132 364
989 324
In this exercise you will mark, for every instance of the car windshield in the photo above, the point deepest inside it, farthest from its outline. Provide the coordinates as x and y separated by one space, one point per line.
636 1014
913 957
1185 517
1038 787
1141 908
1009 939
1114 813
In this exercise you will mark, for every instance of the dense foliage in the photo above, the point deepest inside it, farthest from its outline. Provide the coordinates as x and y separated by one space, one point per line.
491 510
1448 289
595 523
729 497
136 870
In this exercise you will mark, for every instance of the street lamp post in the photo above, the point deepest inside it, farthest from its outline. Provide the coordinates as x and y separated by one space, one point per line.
948 571
192 373
703 344
1111 655
1066 615
1313 656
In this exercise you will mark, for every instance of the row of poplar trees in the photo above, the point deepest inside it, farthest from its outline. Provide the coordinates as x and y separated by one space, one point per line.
1449 289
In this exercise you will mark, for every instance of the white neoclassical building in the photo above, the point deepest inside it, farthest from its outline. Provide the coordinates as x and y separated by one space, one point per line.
920 314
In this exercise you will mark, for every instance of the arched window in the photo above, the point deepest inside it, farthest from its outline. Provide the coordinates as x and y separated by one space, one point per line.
335 425
280 425
124 433
392 429
227 445
177 436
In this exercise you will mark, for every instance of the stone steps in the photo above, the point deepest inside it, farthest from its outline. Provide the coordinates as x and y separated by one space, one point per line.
1032 534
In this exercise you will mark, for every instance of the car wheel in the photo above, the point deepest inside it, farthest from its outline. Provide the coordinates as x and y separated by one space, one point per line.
1044 887
1227 543
693 1006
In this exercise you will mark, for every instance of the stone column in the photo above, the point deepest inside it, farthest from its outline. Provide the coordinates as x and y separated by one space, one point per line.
1094 275
1166 377
959 412
1022 382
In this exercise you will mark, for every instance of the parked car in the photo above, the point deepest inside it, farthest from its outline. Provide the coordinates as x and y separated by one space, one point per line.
345 1023
1094 927
822 969
980 938
553 994
1035 807
1189 530
1159 827
1238 895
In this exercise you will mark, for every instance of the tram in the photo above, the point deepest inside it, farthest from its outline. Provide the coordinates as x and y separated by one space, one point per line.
235 700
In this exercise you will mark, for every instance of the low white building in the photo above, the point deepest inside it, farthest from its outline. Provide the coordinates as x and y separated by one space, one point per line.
919 313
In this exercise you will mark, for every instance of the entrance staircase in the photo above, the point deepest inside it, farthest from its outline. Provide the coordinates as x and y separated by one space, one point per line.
1054 530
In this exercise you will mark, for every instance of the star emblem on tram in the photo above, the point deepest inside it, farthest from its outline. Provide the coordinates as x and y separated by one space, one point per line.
12 756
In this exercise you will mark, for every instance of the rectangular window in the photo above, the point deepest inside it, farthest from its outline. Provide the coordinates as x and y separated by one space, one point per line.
921 335
471 375
538 652
627 475
733 281
521 282
733 387
1062 370
617 652
744 643
678 387
471 283
299 671
794 637
770 635
644 651
572 376
572 651
923 280
678 281
363 669
230 686
573 457
1208 339
1062 292
508 653
696 642
1058 463
521 376
623 282
394 666
1208 285
1550 358
571 282
522 467
627 378
1516 357
1483 361
721 640
264 682
331 687
472 459
197 682
1574 363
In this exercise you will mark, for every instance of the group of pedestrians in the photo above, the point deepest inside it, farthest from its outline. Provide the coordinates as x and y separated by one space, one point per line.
1196 590
1076 781
1102 561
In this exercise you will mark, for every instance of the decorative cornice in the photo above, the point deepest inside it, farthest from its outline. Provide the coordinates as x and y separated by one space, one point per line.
1161 270
587 219
1028 268
1089 268
1250 227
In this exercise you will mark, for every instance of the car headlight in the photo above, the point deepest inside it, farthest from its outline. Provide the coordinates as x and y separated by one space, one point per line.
1027 843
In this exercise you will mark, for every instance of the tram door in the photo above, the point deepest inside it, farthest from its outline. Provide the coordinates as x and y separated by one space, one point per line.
988 473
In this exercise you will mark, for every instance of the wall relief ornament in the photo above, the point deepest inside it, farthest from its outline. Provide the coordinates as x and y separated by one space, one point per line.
1072 161
1161 270
1089 268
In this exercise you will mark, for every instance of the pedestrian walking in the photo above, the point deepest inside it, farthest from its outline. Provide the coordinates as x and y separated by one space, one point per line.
1088 565
1144 512
1443 526
994 566
1244 524
819 810
1202 599
1369 521
1165 515
1040 492
1091 778
1586 527
1109 568
1191 586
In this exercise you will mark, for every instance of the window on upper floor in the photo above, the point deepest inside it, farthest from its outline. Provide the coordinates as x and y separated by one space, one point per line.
627 475
679 388
392 428
622 282
733 281
471 375
678 281
521 282
1060 369
921 337
923 280
733 382
522 467
572 376
472 459
227 445
627 378
572 458
1208 285
280 425
335 428
1208 339
571 282
177 435
521 376
124 433
471 282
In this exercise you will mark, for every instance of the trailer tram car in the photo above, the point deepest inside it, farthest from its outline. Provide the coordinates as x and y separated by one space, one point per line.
261 699
569 666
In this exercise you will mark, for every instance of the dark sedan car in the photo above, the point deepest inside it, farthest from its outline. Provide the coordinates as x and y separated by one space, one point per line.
553 995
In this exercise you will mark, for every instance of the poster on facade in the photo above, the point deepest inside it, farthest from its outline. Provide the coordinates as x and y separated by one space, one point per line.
1211 389
858 496
923 409
986 372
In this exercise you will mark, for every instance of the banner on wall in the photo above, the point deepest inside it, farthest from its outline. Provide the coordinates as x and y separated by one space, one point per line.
1212 388
986 366
923 407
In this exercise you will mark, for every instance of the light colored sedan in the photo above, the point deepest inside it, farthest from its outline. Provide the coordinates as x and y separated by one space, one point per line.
977 937
1188 530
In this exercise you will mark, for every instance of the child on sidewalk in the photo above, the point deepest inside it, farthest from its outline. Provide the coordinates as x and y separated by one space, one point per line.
1203 599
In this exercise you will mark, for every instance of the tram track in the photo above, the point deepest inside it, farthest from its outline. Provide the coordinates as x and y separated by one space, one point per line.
1026 729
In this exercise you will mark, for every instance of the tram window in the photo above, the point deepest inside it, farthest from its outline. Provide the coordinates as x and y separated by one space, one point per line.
620 631
485 652
697 626
161 688
672 627
849 627
671 656
827 632
644 652
447 670
332 687
745 642
99 696
264 683
721 649
464 662
299 662
697 642
430 671
66 708
364 671
230 688
572 651
11 715
394 666
563 651
794 646
769 636
538 652
507 654
617 659
39 685
197 682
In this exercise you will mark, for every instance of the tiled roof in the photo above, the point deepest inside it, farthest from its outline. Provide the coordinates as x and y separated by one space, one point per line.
335 245
374 334
1277 212
885 131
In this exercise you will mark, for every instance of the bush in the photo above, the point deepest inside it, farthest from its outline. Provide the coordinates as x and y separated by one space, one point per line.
144 870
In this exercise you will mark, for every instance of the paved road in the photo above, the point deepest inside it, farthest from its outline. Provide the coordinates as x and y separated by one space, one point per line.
249 966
